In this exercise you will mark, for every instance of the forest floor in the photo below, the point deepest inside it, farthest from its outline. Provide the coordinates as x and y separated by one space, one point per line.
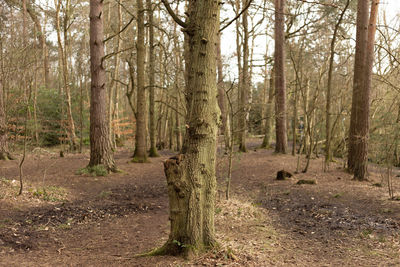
65 219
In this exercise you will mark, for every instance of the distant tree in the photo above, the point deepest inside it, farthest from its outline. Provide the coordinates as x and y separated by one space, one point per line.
245 84
100 144
328 124
152 117
140 154
280 83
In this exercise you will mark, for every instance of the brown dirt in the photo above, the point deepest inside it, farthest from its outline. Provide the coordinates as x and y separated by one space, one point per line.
68 219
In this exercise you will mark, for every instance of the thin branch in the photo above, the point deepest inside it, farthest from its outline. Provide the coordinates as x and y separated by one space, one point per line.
237 16
121 31
173 15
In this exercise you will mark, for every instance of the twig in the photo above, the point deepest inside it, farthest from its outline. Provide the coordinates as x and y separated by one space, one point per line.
173 15
237 16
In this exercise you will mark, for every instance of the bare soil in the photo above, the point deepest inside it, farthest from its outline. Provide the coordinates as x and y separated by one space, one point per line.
65 219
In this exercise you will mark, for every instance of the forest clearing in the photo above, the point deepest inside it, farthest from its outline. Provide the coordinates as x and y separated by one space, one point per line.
199 133
104 221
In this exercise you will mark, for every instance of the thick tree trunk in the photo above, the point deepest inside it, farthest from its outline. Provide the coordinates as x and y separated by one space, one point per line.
140 155
280 83
359 123
191 175
152 117
100 145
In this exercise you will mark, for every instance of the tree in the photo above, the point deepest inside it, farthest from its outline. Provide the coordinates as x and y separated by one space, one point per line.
153 148
4 152
359 122
140 154
100 143
280 83
245 84
328 149
222 103
191 175
63 55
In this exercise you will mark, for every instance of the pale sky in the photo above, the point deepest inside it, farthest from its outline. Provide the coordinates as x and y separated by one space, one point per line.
392 7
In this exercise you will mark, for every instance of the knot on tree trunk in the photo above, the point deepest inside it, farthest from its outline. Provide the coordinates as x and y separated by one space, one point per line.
177 186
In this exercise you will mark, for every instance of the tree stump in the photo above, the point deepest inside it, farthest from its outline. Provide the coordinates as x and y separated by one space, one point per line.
282 175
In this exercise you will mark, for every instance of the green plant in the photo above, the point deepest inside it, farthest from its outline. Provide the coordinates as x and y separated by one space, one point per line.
105 194
66 225
50 193
97 170
338 195
218 210
366 233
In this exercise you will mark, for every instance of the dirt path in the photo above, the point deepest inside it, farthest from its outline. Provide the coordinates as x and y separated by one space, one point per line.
67 219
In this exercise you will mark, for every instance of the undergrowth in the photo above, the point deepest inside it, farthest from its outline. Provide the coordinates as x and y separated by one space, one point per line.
97 170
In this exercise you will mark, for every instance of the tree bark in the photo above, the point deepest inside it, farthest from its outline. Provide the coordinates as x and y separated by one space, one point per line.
153 148
100 146
280 83
225 126
244 89
359 123
269 111
113 92
191 175
140 154
4 152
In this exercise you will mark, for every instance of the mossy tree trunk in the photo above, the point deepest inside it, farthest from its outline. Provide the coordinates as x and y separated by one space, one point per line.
100 145
191 175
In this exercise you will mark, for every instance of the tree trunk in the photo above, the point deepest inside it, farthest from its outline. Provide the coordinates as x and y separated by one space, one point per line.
359 123
280 84
191 175
112 101
140 154
4 152
269 111
328 149
225 127
100 145
152 117
294 126
239 66
64 63
244 90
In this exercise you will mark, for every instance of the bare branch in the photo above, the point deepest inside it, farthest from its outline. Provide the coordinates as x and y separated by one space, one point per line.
237 16
173 15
